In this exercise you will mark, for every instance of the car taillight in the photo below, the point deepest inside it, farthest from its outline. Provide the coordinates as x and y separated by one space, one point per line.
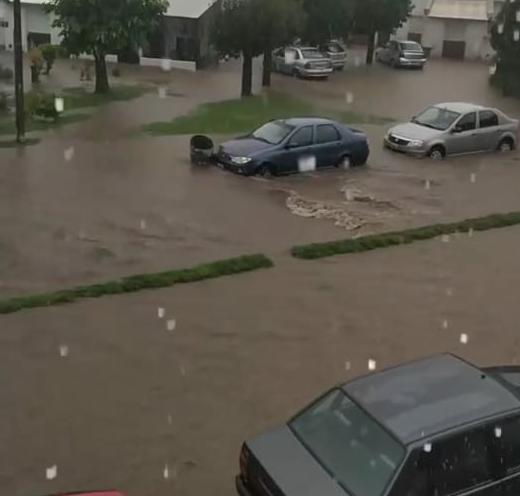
244 460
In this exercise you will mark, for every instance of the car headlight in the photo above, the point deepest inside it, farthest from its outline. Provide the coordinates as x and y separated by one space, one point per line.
416 143
241 160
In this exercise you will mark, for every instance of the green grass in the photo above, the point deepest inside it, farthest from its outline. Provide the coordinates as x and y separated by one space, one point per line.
9 127
77 98
237 116
138 283
385 240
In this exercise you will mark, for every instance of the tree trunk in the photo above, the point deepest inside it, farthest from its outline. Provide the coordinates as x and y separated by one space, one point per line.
371 47
101 73
268 65
247 75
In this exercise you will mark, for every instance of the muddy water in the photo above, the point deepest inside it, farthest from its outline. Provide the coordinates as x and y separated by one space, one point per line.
93 202
248 351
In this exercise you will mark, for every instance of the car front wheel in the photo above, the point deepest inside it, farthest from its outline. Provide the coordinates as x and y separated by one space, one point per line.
266 170
437 153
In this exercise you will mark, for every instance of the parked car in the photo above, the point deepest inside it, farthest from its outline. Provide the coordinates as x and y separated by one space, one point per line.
294 145
303 62
336 52
454 129
402 54
434 427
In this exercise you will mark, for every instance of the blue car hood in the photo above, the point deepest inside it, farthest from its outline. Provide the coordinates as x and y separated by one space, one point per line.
245 147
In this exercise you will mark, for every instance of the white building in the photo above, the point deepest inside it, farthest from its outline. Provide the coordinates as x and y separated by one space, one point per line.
452 28
36 25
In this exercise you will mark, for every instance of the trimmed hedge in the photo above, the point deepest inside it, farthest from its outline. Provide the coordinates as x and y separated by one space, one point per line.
138 283
384 240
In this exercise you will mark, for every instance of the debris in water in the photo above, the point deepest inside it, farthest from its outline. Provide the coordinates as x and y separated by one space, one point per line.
64 350
160 313
464 338
51 473
372 364
171 324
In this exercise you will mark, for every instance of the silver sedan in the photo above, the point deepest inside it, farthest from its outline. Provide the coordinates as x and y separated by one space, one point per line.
454 129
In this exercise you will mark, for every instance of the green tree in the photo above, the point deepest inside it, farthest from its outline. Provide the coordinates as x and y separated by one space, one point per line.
505 39
237 33
99 27
384 16
281 21
327 19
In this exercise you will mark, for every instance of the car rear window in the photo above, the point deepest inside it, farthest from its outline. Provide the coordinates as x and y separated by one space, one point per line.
311 53
410 45
488 119
351 446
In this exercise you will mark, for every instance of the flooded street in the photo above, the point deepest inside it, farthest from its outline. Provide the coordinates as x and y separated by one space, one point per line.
104 391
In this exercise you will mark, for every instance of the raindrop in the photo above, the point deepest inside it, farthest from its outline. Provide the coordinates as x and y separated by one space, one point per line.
445 324
182 370
372 364
347 365
161 313
449 292
498 432
473 178
372 463
446 238
349 97
64 350
518 15
464 338
427 185
51 472
470 232
59 104
357 61
171 324
68 154
170 419
427 448
162 92
516 35
142 224
492 70
166 472
500 29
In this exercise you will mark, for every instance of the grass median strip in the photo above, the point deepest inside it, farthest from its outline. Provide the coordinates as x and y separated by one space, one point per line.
385 240
136 283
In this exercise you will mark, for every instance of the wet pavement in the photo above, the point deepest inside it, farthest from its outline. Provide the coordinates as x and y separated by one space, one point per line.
104 392
97 200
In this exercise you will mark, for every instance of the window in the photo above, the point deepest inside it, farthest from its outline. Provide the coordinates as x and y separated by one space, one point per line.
436 118
455 464
302 137
468 122
327 134
273 132
279 53
358 453
488 118
507 440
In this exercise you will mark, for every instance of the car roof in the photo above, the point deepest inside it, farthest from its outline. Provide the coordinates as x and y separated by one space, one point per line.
461 107
307 121
420 399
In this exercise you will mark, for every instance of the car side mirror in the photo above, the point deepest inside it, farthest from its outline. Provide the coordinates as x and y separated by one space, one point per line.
291 145
457 129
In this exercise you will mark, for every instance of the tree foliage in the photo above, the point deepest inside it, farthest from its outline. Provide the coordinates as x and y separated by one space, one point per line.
505 39
383 16
327 19
99 27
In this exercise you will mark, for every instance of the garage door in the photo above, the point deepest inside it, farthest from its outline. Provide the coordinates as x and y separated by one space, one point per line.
454 49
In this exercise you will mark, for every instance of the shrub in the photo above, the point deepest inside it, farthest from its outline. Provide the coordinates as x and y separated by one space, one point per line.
62 52
40 105
116 71
6 73
49 53
3 103
36 58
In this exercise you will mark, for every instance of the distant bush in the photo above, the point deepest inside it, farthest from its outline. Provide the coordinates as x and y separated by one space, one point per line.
40 105
49 53
37 62
62 52
116 71
6 73
3 103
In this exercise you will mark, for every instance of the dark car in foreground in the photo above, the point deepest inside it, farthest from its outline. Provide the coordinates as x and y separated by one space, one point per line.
294 145
434 427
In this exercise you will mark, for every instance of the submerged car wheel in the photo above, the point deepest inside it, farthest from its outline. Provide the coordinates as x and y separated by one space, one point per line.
266 170
345 162
506 145
437 153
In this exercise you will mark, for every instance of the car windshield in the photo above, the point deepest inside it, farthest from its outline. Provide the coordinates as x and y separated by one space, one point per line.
311 53
410 45
354 449
273 132
436 118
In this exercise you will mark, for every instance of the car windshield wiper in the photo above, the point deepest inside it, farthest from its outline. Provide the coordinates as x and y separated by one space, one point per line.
431 126
259 138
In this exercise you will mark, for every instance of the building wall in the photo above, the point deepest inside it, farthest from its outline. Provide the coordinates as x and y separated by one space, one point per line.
435 31
34 20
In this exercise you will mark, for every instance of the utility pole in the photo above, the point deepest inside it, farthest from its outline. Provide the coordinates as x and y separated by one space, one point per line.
18 73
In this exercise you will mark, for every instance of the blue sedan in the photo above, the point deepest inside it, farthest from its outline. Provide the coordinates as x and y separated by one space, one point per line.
294 145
